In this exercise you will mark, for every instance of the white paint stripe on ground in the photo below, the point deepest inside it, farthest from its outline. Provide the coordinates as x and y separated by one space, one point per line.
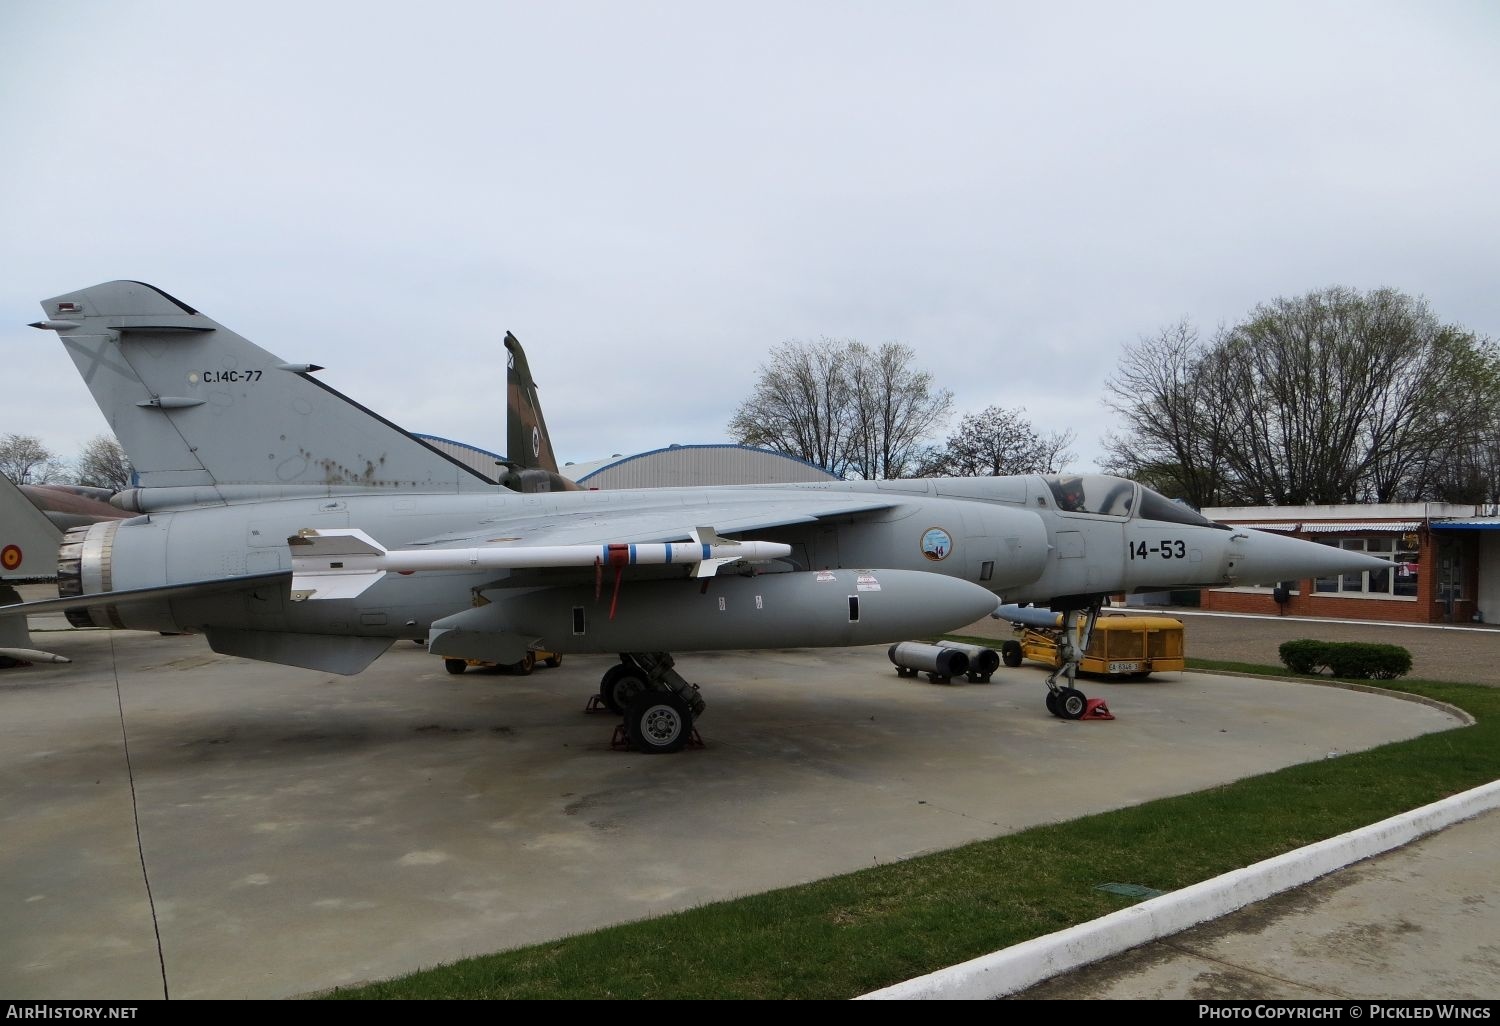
1022 965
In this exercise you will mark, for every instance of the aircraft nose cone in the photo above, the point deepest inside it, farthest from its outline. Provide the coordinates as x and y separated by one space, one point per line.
1260 557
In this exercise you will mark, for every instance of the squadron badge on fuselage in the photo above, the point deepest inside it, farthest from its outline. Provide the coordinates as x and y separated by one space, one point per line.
936 543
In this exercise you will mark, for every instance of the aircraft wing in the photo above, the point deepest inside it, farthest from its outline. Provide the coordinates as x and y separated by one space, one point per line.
344 562
660 522
647 525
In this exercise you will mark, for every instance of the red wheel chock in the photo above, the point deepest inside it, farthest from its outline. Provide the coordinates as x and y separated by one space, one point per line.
621 743
1097 710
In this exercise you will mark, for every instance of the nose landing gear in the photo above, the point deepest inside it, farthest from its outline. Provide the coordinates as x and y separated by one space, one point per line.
1064 700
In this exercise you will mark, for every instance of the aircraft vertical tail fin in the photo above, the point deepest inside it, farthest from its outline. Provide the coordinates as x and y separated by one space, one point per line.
196 405
526 439
526 436
28 540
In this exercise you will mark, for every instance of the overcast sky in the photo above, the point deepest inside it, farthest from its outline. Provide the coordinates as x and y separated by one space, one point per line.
651 195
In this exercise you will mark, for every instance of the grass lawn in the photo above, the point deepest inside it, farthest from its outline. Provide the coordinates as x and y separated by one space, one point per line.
851 934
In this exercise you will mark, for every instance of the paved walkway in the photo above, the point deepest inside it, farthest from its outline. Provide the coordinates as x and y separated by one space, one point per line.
299 830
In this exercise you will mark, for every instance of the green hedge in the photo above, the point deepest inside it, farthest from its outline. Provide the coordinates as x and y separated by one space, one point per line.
1346 659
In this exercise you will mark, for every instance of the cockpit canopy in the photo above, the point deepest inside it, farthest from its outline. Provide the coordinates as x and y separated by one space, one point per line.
1093 493
1116 497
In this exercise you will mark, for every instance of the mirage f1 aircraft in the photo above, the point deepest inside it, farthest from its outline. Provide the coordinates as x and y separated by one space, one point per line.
286 523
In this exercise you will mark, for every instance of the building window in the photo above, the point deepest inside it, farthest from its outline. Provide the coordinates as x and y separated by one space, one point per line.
1399 581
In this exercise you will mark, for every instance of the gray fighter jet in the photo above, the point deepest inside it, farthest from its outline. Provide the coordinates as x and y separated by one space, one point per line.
361 535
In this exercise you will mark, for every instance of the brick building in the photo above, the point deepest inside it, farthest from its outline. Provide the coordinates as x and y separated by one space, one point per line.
1445 563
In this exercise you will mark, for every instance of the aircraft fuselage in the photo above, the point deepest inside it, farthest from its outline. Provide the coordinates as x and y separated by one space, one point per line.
908 558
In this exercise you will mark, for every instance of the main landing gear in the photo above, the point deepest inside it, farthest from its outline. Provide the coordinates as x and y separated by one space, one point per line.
657 704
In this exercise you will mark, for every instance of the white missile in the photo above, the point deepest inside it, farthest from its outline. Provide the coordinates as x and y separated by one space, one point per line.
341 563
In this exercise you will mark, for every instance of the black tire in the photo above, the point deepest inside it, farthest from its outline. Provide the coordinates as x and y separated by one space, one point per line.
554 661
1052 702
618 686
524 667
455 665
658 722
1010 654
1072 704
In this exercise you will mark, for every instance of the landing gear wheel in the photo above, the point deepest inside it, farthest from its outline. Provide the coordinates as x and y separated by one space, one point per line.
455 665
524 667
658 722
1072 704
554 661
1010 654
618 686
1052 702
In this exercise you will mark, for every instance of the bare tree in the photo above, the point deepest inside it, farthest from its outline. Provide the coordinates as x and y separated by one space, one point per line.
1167 388
1470 473
1433 431
1338 396
1331 397
841 406
25 460
1056 451
800 405
998 441
103 464
894 408
1300 386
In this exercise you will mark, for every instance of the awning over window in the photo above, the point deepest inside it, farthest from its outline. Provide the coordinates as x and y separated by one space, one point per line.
1362 527
1268 527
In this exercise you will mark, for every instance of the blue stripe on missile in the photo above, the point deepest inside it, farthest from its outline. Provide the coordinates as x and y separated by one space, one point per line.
669 553
705 550
632 552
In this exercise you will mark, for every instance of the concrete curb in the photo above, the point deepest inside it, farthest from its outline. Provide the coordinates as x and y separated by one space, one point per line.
1022 965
